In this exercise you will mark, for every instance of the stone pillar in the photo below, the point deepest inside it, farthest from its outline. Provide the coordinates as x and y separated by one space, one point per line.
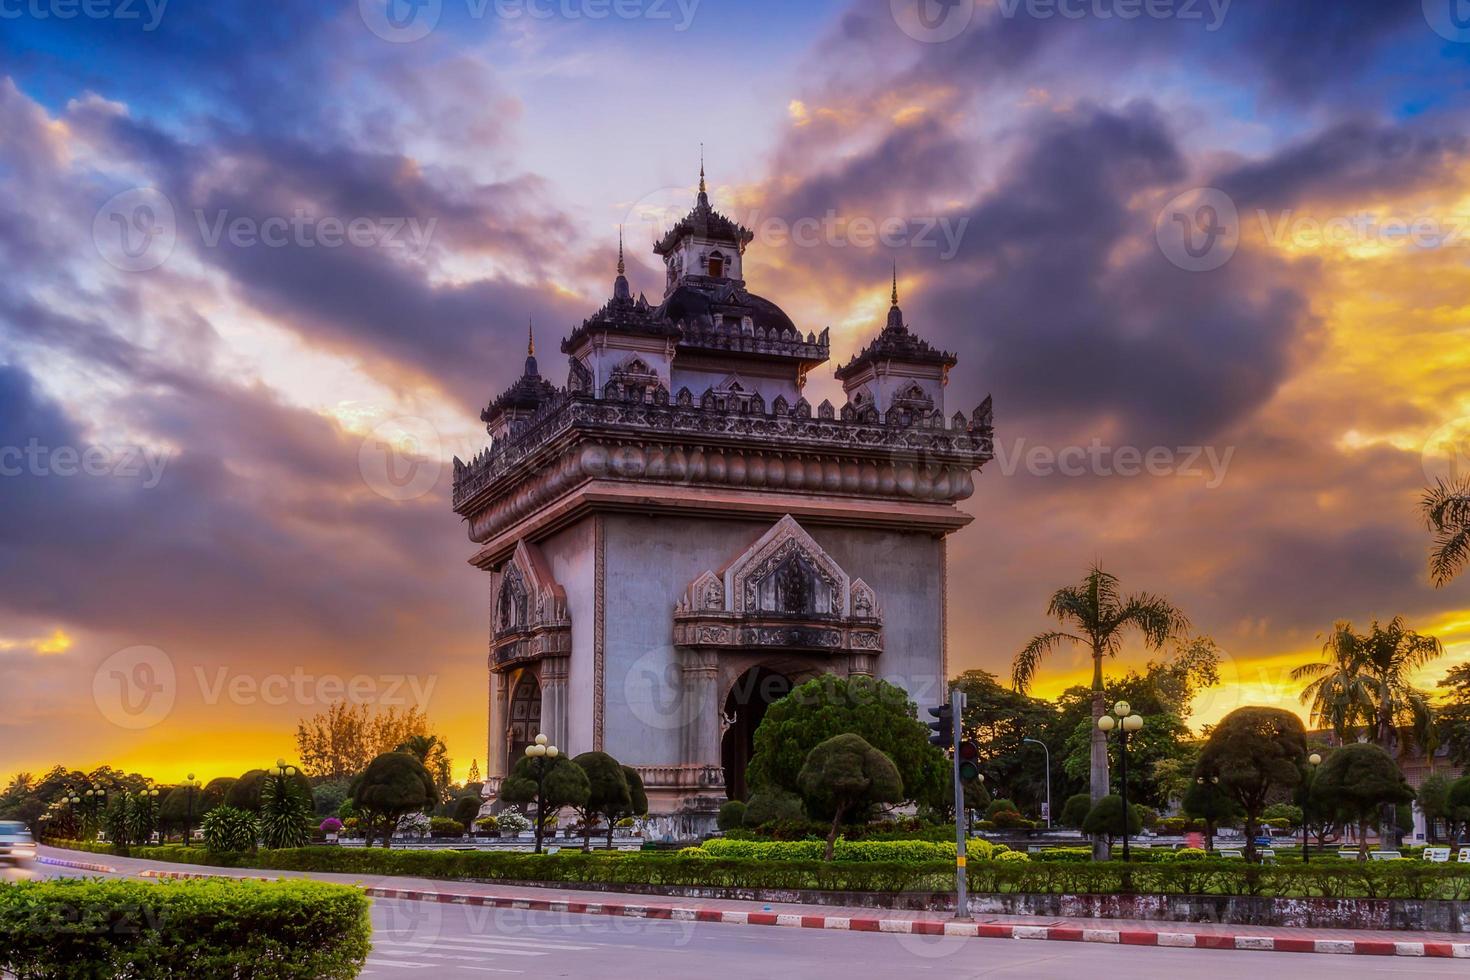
556 703
700 706
497 757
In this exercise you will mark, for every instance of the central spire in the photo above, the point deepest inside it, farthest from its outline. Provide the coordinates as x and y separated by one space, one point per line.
620 284
703 192
895 315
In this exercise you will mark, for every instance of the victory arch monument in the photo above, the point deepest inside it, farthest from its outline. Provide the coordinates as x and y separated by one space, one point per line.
675 536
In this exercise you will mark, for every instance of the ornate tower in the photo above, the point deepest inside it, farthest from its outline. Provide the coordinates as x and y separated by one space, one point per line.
677 536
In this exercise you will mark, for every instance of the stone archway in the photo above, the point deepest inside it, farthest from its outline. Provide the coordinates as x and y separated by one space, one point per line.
745 705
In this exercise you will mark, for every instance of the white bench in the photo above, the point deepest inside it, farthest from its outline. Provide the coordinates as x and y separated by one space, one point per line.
1438 855
1385 855
1465 855
1231 853
1267 853
1348 853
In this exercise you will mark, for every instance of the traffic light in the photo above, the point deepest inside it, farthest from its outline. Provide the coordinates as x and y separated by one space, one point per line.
943 727
969 767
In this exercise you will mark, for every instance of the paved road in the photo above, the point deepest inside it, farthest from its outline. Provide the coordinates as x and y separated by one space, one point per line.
430 940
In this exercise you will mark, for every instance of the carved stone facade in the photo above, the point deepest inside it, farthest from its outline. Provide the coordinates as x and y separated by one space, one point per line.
676 536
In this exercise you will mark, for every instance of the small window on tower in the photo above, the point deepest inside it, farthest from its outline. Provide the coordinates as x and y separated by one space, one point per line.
716 264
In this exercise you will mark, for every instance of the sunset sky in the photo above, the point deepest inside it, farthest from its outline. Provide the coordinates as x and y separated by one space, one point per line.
194 450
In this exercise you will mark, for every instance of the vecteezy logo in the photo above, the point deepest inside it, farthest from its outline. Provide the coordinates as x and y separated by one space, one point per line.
1450 19
400 21
134 688
400 458
135 230
1198 230
932 21
1446 456
653 690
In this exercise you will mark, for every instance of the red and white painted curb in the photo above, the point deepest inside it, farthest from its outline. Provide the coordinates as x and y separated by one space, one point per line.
914 927
923 927
78 865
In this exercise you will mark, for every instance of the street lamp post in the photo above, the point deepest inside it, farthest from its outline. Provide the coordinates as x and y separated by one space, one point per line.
1047 750
1313 761
1127 723
542 754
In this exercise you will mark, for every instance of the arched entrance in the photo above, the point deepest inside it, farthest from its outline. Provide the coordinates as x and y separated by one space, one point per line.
745 706
525 715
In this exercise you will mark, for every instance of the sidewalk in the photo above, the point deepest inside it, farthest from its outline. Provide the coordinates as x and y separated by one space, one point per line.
1201 935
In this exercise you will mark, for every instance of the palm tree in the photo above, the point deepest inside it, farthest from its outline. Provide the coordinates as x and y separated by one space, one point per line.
1099 617
1364 686
1446 509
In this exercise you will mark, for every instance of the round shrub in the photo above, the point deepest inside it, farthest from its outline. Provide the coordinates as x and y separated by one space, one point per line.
1013 856
445 827
1189 854
1001 806
331 825
732 815
487 824
1076 809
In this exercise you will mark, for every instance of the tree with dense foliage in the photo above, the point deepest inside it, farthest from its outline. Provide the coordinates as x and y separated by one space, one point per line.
771 806
845 774
829 705
731 815
1355 782
1100 617
1075 810
998 719
393 785
1446 507
1364 684
244 793
637 801
466 809
434 754
340 742
1452 718
566 784
1106 818
1255 753
1459 806
1434 802
1204 800
608 793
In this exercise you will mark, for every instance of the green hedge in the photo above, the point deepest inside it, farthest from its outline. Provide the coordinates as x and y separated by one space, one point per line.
1329 878
916 851
245 930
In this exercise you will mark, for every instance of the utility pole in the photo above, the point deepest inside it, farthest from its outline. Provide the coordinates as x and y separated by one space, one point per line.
1048 776
961 817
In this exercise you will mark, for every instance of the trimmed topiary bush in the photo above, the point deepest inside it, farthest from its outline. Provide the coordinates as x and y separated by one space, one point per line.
218 928
732 815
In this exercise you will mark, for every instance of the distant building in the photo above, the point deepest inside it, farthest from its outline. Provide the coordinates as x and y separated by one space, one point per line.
675 536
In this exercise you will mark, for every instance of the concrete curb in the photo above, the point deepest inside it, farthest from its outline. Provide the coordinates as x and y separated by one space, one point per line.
79 865
916 927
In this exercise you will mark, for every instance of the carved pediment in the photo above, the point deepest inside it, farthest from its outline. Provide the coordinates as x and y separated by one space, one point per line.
528 597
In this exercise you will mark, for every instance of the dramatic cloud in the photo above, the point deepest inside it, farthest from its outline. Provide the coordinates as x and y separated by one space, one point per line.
238 396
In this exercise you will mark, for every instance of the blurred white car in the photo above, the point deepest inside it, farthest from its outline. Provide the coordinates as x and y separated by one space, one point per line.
16 844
